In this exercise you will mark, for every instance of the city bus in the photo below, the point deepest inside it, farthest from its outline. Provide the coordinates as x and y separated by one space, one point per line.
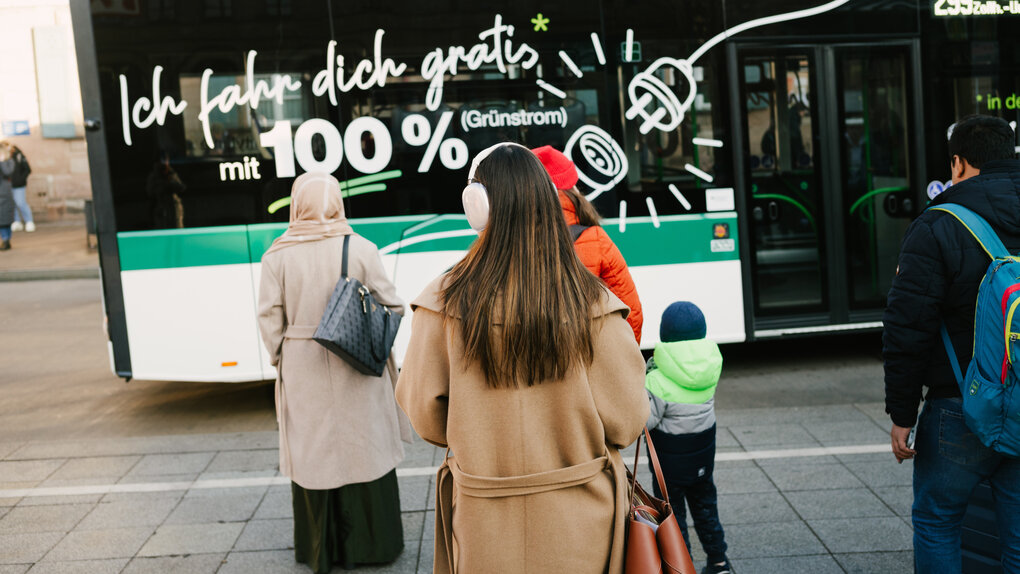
761 159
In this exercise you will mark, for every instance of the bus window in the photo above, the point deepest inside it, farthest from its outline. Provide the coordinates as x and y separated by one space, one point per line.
877 194
779 108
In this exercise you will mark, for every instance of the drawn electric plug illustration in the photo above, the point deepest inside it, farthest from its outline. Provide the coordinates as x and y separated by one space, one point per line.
648 89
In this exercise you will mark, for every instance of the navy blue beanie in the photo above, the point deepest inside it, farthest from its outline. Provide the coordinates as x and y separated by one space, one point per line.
682 321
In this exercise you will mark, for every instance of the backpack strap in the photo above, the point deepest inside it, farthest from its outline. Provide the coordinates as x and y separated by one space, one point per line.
990 243
576 230
953 361
979 228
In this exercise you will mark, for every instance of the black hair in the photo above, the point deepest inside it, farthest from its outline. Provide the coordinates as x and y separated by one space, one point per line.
979 139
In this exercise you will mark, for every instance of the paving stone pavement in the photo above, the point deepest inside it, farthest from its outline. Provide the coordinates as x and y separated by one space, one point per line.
217 504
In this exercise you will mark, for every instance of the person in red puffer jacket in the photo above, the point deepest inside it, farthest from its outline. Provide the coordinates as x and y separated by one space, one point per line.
594 247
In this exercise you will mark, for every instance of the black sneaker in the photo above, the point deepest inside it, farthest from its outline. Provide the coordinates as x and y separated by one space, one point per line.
5 245
724 568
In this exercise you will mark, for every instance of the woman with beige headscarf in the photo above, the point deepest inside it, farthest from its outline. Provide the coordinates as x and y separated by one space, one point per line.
340 430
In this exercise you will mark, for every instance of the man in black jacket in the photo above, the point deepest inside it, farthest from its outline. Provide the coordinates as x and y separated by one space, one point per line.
940 268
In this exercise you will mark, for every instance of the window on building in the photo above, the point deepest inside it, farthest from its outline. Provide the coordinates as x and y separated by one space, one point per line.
54 81
279 7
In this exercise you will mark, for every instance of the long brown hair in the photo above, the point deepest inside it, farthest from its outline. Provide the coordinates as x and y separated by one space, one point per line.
523 274
586 212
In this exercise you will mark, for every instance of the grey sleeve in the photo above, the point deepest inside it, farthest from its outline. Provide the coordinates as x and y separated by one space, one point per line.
657 408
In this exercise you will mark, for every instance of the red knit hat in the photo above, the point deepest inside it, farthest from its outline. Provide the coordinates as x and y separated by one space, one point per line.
559 166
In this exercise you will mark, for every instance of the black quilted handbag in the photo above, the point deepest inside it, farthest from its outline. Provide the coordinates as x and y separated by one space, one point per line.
355 327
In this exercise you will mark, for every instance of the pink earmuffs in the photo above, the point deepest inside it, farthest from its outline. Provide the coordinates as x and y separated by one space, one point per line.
475 197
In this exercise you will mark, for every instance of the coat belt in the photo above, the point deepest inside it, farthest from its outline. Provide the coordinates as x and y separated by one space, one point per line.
497 487
300 331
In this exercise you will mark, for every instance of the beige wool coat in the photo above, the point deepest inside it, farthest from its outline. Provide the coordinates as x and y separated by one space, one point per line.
337 426
536 477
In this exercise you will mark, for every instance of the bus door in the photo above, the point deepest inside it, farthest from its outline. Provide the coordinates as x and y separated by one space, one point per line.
828 173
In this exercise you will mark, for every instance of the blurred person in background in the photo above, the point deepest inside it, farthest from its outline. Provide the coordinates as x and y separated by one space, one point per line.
164 188
7 168
19 181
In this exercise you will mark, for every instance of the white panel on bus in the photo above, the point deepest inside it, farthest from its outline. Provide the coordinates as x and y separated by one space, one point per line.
715 287
413 272
192 324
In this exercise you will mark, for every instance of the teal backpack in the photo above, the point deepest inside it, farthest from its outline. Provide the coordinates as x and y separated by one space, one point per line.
991 401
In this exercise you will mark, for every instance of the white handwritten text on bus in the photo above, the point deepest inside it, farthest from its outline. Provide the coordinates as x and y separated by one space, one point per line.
496 47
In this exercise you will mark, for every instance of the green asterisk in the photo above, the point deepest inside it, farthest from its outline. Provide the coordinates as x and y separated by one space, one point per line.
540 23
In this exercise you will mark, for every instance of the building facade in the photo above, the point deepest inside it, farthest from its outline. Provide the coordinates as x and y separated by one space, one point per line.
40 105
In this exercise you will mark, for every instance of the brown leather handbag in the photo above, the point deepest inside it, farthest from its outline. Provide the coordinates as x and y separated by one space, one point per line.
655 544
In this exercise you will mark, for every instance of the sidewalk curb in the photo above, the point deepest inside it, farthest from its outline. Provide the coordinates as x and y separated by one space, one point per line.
49 274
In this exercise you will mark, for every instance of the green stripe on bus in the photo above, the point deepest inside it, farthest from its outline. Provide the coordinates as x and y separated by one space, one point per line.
678 239
168 248
675 240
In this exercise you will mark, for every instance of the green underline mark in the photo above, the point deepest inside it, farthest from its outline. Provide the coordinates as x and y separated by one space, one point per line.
349 187
278 205
362 189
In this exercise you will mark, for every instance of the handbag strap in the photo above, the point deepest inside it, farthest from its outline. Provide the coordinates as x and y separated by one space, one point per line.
343 260
654 458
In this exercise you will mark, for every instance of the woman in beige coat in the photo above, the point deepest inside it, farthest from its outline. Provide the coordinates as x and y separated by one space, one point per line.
522 363
340 430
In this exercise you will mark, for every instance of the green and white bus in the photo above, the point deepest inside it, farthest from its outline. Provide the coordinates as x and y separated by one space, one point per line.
761 159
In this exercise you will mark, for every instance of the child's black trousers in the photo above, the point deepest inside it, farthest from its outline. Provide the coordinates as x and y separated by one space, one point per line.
687 463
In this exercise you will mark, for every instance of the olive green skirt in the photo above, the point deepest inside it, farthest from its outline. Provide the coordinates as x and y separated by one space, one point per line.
350 525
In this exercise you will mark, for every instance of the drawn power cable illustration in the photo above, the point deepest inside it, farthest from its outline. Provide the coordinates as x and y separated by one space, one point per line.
668 110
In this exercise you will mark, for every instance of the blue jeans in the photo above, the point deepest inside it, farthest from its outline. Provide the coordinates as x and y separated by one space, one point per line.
22 212
5 232
950 463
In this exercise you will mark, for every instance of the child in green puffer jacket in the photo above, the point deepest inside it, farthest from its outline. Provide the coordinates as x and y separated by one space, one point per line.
681 379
